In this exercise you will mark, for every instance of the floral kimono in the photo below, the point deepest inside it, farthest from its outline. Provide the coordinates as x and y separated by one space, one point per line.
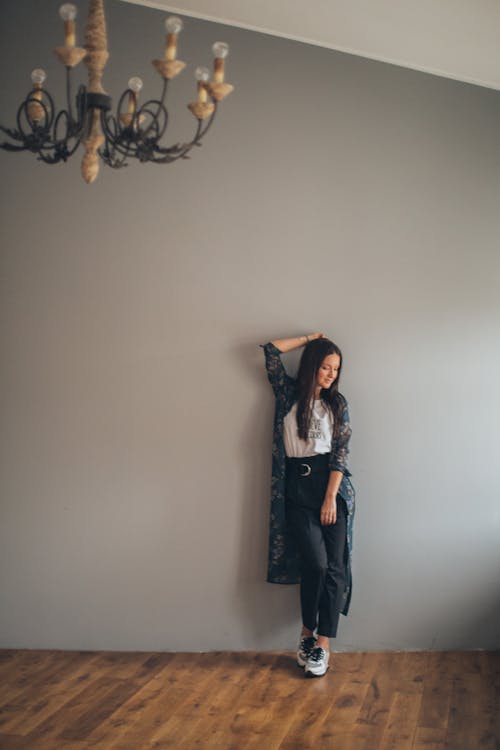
283 564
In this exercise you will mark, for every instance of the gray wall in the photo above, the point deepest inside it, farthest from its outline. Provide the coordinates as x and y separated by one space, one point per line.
334 193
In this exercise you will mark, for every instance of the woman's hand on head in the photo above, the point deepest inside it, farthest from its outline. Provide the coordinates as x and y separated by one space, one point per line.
313 336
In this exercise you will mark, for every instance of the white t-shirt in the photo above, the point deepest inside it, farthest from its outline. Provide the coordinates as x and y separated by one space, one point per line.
320 432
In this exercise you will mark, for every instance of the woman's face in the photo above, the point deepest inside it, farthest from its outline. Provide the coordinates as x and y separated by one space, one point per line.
328 371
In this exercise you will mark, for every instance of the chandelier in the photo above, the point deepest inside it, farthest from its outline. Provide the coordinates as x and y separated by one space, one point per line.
135 130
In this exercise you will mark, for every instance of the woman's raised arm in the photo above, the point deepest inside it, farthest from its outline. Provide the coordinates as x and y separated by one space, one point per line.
287 345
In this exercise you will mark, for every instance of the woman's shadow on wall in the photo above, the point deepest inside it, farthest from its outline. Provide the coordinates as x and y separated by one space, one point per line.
269 613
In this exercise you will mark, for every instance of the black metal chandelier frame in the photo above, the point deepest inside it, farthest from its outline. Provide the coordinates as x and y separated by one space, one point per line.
134 132
134 140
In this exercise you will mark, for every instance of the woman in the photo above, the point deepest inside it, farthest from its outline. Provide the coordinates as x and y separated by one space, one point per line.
312 504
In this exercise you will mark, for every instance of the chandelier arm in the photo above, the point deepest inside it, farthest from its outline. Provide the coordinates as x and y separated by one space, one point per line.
16 135
120 103
81 105
113 142
158 120
62 115
135 116
71 151
124 118
51 153
12 146
58 150
116 133
179 150
164 91
161 105
156 124
61 144
113 145
106 118
111 160
113 164
184 149
209 122
68 93
48 113
119 148
49 159
130 139
44 140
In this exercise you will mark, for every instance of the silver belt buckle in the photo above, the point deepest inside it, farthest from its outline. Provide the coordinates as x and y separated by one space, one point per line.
307 470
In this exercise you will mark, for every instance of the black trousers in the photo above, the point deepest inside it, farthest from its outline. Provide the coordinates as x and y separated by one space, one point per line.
321 549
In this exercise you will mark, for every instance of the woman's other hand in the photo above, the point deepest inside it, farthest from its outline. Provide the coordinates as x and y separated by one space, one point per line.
329 511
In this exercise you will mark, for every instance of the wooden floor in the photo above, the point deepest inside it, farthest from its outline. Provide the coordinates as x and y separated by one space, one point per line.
64 700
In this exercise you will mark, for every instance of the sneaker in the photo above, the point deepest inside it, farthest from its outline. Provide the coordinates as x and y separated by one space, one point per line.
317 664
305 649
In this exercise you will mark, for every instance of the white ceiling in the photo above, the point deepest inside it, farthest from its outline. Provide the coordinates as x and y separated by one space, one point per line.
452 38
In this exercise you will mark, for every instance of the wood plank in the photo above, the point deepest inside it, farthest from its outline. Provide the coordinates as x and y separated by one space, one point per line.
283 688
435 706
401 722
429 738
87 710
148 707
489 700
30 670
14 742
464 713
195 677
335 727
240 698
316 698
28 698
378 698
67 688
374 714
15 663
216 716
18 742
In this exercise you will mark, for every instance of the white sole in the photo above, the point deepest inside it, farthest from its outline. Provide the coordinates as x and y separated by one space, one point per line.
309 673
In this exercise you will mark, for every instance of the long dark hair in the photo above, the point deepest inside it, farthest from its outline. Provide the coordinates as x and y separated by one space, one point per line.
313 355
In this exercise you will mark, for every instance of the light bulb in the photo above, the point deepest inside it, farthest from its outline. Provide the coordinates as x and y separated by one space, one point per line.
38 75
173 24
67 12
220 49
135 84
202 74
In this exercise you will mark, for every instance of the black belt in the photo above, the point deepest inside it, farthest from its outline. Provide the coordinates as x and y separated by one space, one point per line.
304 467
